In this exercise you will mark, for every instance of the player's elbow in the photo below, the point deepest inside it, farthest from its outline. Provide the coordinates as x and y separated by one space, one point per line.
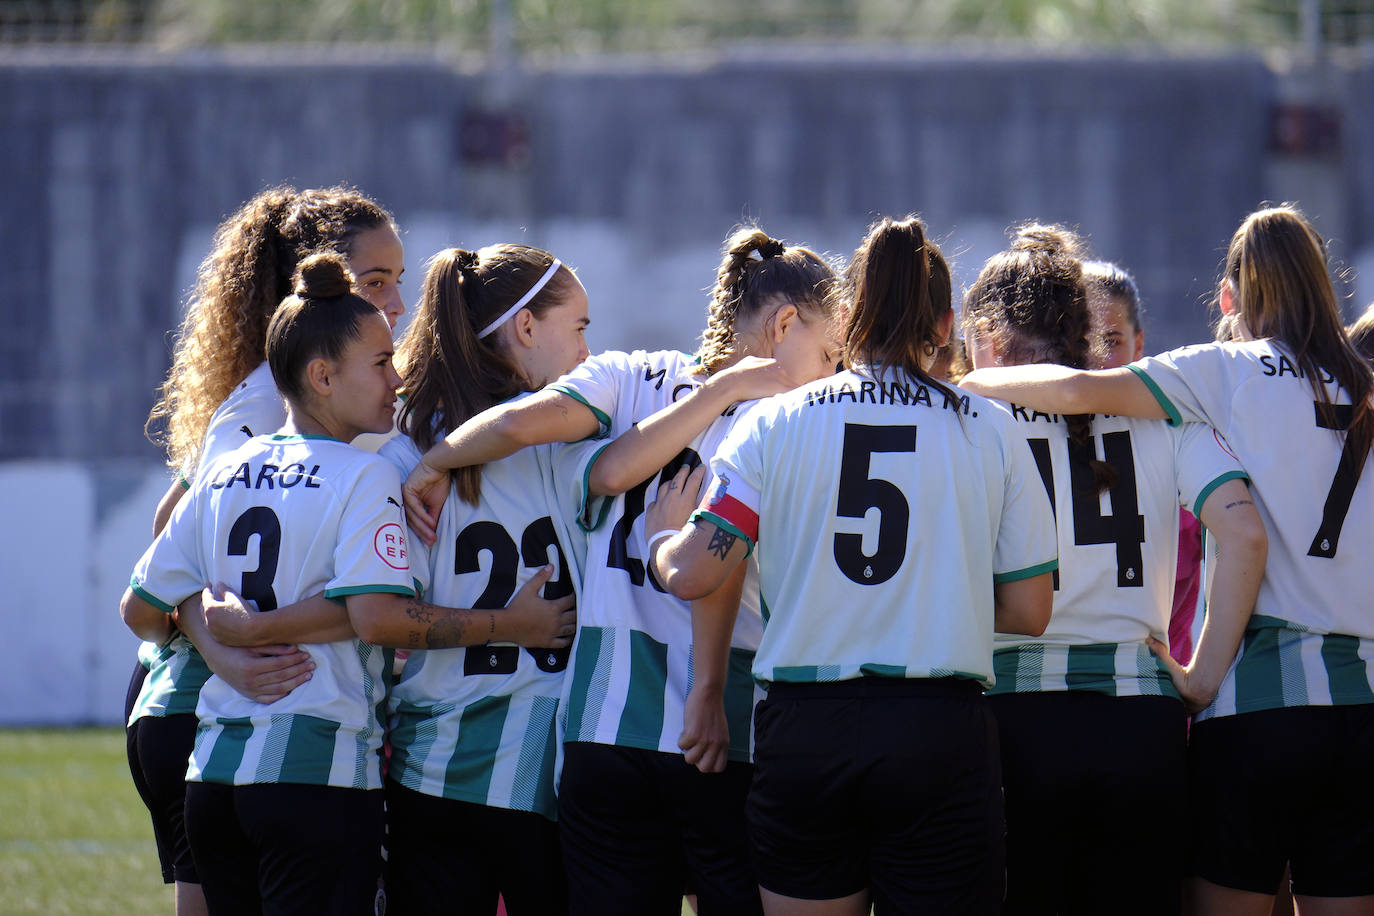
688 583
1023 607
609 478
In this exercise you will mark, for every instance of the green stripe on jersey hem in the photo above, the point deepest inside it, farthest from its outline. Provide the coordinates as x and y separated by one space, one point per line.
369 590
1207 490
1175 418
1029 572
601 418
300 437
869 669
643 712
584 520
152 599
702 515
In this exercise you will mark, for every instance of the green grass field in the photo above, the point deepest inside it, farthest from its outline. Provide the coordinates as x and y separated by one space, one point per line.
74 836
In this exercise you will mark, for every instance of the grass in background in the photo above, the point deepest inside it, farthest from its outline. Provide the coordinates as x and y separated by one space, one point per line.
74 836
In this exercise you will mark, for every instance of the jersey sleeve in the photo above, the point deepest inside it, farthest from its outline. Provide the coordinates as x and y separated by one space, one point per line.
572 472
372 553
1026 542
170 570
1204 462
596 383
735 498
403 454
1191 384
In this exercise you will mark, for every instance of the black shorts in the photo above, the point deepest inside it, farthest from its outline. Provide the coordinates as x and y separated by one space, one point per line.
447 856
885 784
637 826
1087 778
159 748
281 849
1285 785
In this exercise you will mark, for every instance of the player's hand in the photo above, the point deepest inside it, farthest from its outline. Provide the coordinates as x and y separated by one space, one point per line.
705 738
753 377
264 674
424 494
540 623
675 501
1186 681
229 620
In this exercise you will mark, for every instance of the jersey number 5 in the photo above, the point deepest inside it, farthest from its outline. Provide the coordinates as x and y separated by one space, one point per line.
860 492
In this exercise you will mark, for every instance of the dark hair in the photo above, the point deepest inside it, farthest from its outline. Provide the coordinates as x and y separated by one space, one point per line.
1361 334
320 318
746 284
450 373
1103 278
1276 265
1031 299
901 289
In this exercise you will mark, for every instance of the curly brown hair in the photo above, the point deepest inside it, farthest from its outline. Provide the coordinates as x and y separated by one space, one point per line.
238 287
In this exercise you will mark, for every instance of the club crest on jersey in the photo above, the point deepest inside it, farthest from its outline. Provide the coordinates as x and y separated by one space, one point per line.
719 491
390 544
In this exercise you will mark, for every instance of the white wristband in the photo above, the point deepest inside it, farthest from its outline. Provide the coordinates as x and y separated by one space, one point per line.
666 532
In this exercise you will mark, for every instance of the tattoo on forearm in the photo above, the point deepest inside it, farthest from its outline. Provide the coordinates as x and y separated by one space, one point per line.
721 542
420 613
445 633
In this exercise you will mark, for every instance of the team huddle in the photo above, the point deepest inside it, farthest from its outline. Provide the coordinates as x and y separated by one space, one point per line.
823 618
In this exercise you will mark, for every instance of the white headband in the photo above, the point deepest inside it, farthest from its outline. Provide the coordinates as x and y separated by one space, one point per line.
524 300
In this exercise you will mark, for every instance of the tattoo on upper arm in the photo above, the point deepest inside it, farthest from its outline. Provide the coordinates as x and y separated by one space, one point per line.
1239 502
721 542
420 613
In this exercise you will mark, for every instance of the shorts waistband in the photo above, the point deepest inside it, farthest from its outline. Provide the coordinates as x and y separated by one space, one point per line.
953 687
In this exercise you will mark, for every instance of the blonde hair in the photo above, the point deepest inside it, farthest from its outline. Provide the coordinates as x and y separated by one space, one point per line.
745 284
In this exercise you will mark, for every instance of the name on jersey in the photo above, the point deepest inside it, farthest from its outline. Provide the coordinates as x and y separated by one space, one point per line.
681 389
873 391
1030 416
1286 367
268 477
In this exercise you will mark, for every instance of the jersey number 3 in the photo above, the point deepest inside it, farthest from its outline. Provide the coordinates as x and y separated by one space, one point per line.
257 583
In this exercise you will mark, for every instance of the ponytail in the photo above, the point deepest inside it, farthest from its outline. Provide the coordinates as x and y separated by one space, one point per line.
452 371
1032 300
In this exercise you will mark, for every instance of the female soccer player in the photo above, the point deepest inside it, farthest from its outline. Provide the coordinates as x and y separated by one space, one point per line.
1118 339
282 807
1280 758
897 523
635 818
1091 727
470 789
218 394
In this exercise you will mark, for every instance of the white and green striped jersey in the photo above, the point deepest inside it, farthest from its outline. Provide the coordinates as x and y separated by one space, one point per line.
883 514
280 519
175 669
1318 512
1118 551
632 662
477 724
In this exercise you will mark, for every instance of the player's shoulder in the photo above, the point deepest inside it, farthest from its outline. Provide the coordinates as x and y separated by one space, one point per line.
402 452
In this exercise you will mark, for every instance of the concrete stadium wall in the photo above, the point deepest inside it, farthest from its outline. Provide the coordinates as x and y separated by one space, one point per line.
116 169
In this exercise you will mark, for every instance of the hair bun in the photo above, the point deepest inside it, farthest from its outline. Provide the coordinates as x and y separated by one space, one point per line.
466 260
323 275
1052 240
771 249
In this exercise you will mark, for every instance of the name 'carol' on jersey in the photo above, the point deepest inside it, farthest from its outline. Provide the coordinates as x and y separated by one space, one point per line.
279 519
